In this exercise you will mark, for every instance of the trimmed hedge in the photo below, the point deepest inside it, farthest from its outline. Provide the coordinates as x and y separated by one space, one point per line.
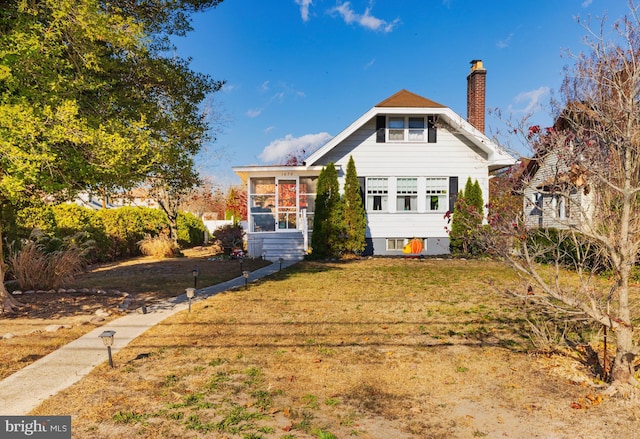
190 230
116 232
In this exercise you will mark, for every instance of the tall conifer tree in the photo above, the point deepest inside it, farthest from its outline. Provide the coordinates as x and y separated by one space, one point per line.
353 214
327 216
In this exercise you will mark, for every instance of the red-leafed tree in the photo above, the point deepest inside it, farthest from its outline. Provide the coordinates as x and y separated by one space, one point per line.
236 206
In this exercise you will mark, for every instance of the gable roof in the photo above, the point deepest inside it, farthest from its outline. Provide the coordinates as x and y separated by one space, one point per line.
405 102
406 99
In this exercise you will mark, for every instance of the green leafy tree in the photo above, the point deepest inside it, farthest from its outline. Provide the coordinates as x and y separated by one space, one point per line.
327 219
92 98
353 214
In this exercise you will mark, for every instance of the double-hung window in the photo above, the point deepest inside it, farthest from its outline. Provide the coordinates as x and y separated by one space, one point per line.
396 128
437 194
406 129
416 129
407 194
377 194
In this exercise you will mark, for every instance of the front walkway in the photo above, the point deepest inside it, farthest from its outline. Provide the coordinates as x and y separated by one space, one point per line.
26 389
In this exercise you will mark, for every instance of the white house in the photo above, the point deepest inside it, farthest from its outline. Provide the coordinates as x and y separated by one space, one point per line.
412 156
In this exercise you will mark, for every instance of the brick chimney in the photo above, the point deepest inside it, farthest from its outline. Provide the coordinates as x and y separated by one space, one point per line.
476 84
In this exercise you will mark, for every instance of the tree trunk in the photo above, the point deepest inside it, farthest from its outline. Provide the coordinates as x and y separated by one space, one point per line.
622 371
7 302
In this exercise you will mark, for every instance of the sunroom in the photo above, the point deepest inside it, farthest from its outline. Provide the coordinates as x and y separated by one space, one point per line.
281 204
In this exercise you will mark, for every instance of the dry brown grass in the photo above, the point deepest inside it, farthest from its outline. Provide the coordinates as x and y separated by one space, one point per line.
369 349
160 246
145 279
35 269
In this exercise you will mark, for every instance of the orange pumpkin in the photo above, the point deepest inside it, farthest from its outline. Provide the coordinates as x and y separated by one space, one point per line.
414 247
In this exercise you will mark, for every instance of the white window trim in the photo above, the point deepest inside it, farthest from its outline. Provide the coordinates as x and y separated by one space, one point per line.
406 138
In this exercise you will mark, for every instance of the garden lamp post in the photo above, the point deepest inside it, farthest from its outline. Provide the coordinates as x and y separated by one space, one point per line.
241 261
264 255
245 274
190 293
107 339
280 261
194 272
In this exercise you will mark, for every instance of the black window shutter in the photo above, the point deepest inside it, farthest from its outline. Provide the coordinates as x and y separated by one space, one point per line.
381 122
432 133
362 180
453 192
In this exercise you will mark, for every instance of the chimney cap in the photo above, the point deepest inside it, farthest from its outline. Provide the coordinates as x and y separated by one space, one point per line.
476 64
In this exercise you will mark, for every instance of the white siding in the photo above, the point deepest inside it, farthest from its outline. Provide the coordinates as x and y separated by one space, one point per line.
450 156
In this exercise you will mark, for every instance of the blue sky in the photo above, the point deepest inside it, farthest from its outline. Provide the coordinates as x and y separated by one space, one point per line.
300 71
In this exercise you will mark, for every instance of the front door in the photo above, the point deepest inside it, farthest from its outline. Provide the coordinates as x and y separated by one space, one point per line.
287 208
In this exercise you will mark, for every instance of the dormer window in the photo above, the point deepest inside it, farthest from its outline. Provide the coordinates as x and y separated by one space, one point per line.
405 129
396 129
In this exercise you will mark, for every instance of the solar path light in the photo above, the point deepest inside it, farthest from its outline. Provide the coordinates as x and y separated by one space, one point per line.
190 293
195 272
107 339
245 274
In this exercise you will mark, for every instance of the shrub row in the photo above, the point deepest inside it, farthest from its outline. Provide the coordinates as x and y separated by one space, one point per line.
115 232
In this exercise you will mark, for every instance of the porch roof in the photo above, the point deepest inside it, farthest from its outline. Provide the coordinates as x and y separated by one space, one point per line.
244 171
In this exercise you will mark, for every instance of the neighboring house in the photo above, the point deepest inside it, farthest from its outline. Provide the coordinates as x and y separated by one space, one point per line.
556 194
412 156
137 197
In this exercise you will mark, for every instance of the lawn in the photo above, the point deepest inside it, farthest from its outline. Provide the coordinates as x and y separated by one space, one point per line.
377 348
105 287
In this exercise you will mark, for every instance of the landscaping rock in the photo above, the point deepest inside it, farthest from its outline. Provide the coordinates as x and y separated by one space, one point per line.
97 320
54 328
102 313
8 336
17 293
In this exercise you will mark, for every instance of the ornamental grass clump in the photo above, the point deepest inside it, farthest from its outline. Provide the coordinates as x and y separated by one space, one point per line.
160 246
47 263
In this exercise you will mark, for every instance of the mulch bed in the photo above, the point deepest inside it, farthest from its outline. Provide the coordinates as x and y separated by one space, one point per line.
45 305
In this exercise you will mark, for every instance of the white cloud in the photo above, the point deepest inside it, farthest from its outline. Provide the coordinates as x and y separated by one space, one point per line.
304 8
502 44
265 86
370 64
586 3
228 88
268 129
532 99
254 112
279 149
365 20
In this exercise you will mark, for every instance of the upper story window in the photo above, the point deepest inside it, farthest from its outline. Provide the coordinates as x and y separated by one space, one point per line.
407 194
377 194
396 128
406 129
416 129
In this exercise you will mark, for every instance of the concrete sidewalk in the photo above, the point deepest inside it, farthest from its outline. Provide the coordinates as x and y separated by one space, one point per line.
26 389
